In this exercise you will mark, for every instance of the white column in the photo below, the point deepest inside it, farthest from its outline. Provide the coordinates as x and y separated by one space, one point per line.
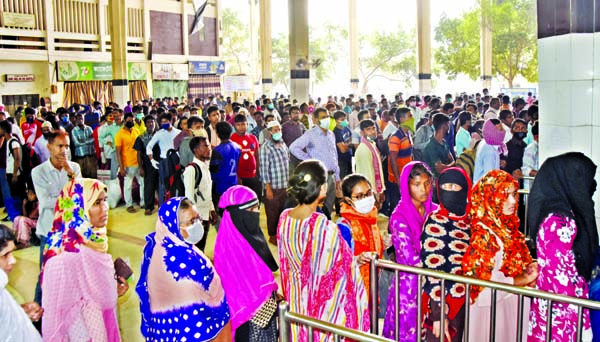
118 39
266 50
354 55
424 46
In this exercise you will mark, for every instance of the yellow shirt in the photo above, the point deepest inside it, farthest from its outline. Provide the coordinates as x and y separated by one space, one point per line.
141 128
126 139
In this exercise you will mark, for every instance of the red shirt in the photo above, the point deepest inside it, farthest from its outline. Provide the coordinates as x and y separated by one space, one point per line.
249 145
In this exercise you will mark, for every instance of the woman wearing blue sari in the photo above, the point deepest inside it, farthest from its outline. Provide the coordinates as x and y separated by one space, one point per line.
181 296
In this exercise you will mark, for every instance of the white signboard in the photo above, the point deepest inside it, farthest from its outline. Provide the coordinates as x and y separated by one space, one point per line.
237 84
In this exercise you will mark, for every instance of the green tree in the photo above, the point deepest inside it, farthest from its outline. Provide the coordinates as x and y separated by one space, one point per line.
458 52
391 53
514 42
235 45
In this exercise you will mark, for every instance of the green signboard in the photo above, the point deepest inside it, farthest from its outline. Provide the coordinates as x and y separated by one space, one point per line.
97 71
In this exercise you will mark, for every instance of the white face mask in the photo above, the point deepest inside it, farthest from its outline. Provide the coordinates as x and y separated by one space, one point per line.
195 233
324 123
365 205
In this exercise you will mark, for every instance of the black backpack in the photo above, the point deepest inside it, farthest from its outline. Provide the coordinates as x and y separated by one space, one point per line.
173 172
29 159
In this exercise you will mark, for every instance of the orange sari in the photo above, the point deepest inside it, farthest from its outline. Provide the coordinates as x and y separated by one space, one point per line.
365 235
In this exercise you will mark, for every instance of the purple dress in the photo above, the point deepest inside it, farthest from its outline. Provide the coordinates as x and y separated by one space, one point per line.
406 226
557 274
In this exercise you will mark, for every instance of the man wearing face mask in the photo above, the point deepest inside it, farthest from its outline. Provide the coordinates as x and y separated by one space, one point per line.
85 151
41 148
182 141
31 128
139 120
198 184
516 149
401 151
463 137
147 171
129 167
65 122
368 159
107 139
274 173
164 138
319 143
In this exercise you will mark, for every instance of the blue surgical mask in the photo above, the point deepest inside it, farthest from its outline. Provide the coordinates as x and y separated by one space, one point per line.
344 124
139 116
165 126
65 119
270 106
277 136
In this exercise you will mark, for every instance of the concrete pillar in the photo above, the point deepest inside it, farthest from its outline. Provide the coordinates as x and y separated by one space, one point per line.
353 37
185 31
424 46
569 81
118 44
266 51
486 45
254 44
299 72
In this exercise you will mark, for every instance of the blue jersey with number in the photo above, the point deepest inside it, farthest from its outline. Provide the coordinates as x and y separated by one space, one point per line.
223 166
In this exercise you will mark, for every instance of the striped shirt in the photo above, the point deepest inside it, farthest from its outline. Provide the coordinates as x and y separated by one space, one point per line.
274 164
400 142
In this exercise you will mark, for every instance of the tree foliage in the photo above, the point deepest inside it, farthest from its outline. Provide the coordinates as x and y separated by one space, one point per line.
236 47
514 42
390 53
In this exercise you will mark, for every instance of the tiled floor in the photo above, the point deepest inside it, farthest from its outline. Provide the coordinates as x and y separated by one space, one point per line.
126 240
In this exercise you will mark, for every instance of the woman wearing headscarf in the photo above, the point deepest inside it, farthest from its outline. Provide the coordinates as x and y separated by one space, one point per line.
444 241
181 296
319 275
406 225
359 214
497 252
563 224
79 291
489 150
245 264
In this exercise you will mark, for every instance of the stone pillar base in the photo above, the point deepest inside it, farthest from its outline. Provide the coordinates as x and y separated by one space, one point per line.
299 87
121 93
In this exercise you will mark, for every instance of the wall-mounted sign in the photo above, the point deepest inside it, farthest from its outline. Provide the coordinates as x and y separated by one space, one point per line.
237 83
518 92
20 78
207 67
21 20
97 71
170 72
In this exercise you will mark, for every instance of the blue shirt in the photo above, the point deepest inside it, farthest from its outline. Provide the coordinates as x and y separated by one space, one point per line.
223 166
343 135
319 145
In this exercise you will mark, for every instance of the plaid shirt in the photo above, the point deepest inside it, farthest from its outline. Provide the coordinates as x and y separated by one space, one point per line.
84 141
274 164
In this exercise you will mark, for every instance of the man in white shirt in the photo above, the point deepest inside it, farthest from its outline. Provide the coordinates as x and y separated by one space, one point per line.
49 178
494 110
198 187
41 145
164 138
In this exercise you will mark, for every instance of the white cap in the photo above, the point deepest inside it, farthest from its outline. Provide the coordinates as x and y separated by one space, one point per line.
273 124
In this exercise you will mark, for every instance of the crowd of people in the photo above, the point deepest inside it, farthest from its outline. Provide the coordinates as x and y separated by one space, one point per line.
445 171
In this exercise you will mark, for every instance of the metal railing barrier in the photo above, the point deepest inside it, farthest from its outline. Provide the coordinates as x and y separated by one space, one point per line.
521 292
287 318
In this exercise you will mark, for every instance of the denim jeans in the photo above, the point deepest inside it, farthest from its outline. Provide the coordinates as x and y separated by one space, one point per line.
7 197
38 286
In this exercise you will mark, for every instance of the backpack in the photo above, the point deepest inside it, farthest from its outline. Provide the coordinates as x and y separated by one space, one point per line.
466 160
29 159
174 175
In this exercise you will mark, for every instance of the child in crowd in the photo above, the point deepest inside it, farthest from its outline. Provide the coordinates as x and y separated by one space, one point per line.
24 225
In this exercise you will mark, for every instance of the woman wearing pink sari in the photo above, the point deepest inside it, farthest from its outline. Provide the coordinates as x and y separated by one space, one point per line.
79 290
245 264
406 226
